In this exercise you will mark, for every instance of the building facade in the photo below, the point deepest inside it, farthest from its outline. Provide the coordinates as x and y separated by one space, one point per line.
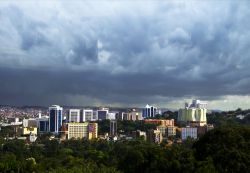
149 111
194 114
43 124
154 136
88 115
77 130
93 130
188 132
162 122
55 118
74 115
113 128
102 114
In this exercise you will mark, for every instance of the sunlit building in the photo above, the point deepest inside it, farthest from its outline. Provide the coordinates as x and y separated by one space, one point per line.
93 130
78 130
162 122
194 114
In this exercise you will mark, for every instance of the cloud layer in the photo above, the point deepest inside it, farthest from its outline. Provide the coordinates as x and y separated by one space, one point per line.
124 53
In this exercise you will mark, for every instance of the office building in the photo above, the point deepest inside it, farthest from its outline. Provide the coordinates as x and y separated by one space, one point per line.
149 111
133 114
162 122
31 122
78 130
95 117
88 115
93 131
188 132
112 115
113 128
102 113
74 115
194 114
55 118
43 124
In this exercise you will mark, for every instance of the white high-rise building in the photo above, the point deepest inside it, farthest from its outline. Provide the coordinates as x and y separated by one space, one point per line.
74 115
88 115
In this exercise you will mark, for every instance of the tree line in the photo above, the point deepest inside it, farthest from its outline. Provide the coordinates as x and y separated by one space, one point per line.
224 149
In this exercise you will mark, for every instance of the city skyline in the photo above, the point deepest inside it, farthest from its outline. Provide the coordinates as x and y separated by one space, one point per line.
125 53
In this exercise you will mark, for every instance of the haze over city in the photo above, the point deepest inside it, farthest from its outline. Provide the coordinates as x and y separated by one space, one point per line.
125 53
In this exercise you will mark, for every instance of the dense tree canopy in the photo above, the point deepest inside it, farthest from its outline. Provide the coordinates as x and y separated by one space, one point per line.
224 149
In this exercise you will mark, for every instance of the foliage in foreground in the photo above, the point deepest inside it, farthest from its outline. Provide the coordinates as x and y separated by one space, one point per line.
224 149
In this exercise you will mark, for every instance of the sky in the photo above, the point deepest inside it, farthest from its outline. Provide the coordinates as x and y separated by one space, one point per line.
125 53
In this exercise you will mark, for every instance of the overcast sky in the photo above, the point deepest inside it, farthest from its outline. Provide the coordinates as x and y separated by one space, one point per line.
125 53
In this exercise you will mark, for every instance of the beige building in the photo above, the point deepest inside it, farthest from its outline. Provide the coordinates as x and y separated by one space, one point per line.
78 130
193 116
171 131
132 114
28 130
163 130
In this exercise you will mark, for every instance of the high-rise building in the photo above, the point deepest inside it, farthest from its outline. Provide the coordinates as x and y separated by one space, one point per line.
88 115
112 115
102 114
149 111
55 118
78 130
193 114
74 115
113 128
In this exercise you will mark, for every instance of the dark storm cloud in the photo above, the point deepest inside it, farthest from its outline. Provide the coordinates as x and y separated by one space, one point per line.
125 53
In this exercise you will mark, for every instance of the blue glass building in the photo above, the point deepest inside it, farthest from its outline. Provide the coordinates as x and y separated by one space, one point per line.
149 111
55 118
43 124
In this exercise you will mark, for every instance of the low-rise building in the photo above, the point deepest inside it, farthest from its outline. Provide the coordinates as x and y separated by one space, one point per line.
171 131
188 132
154 136
160 122
28 130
